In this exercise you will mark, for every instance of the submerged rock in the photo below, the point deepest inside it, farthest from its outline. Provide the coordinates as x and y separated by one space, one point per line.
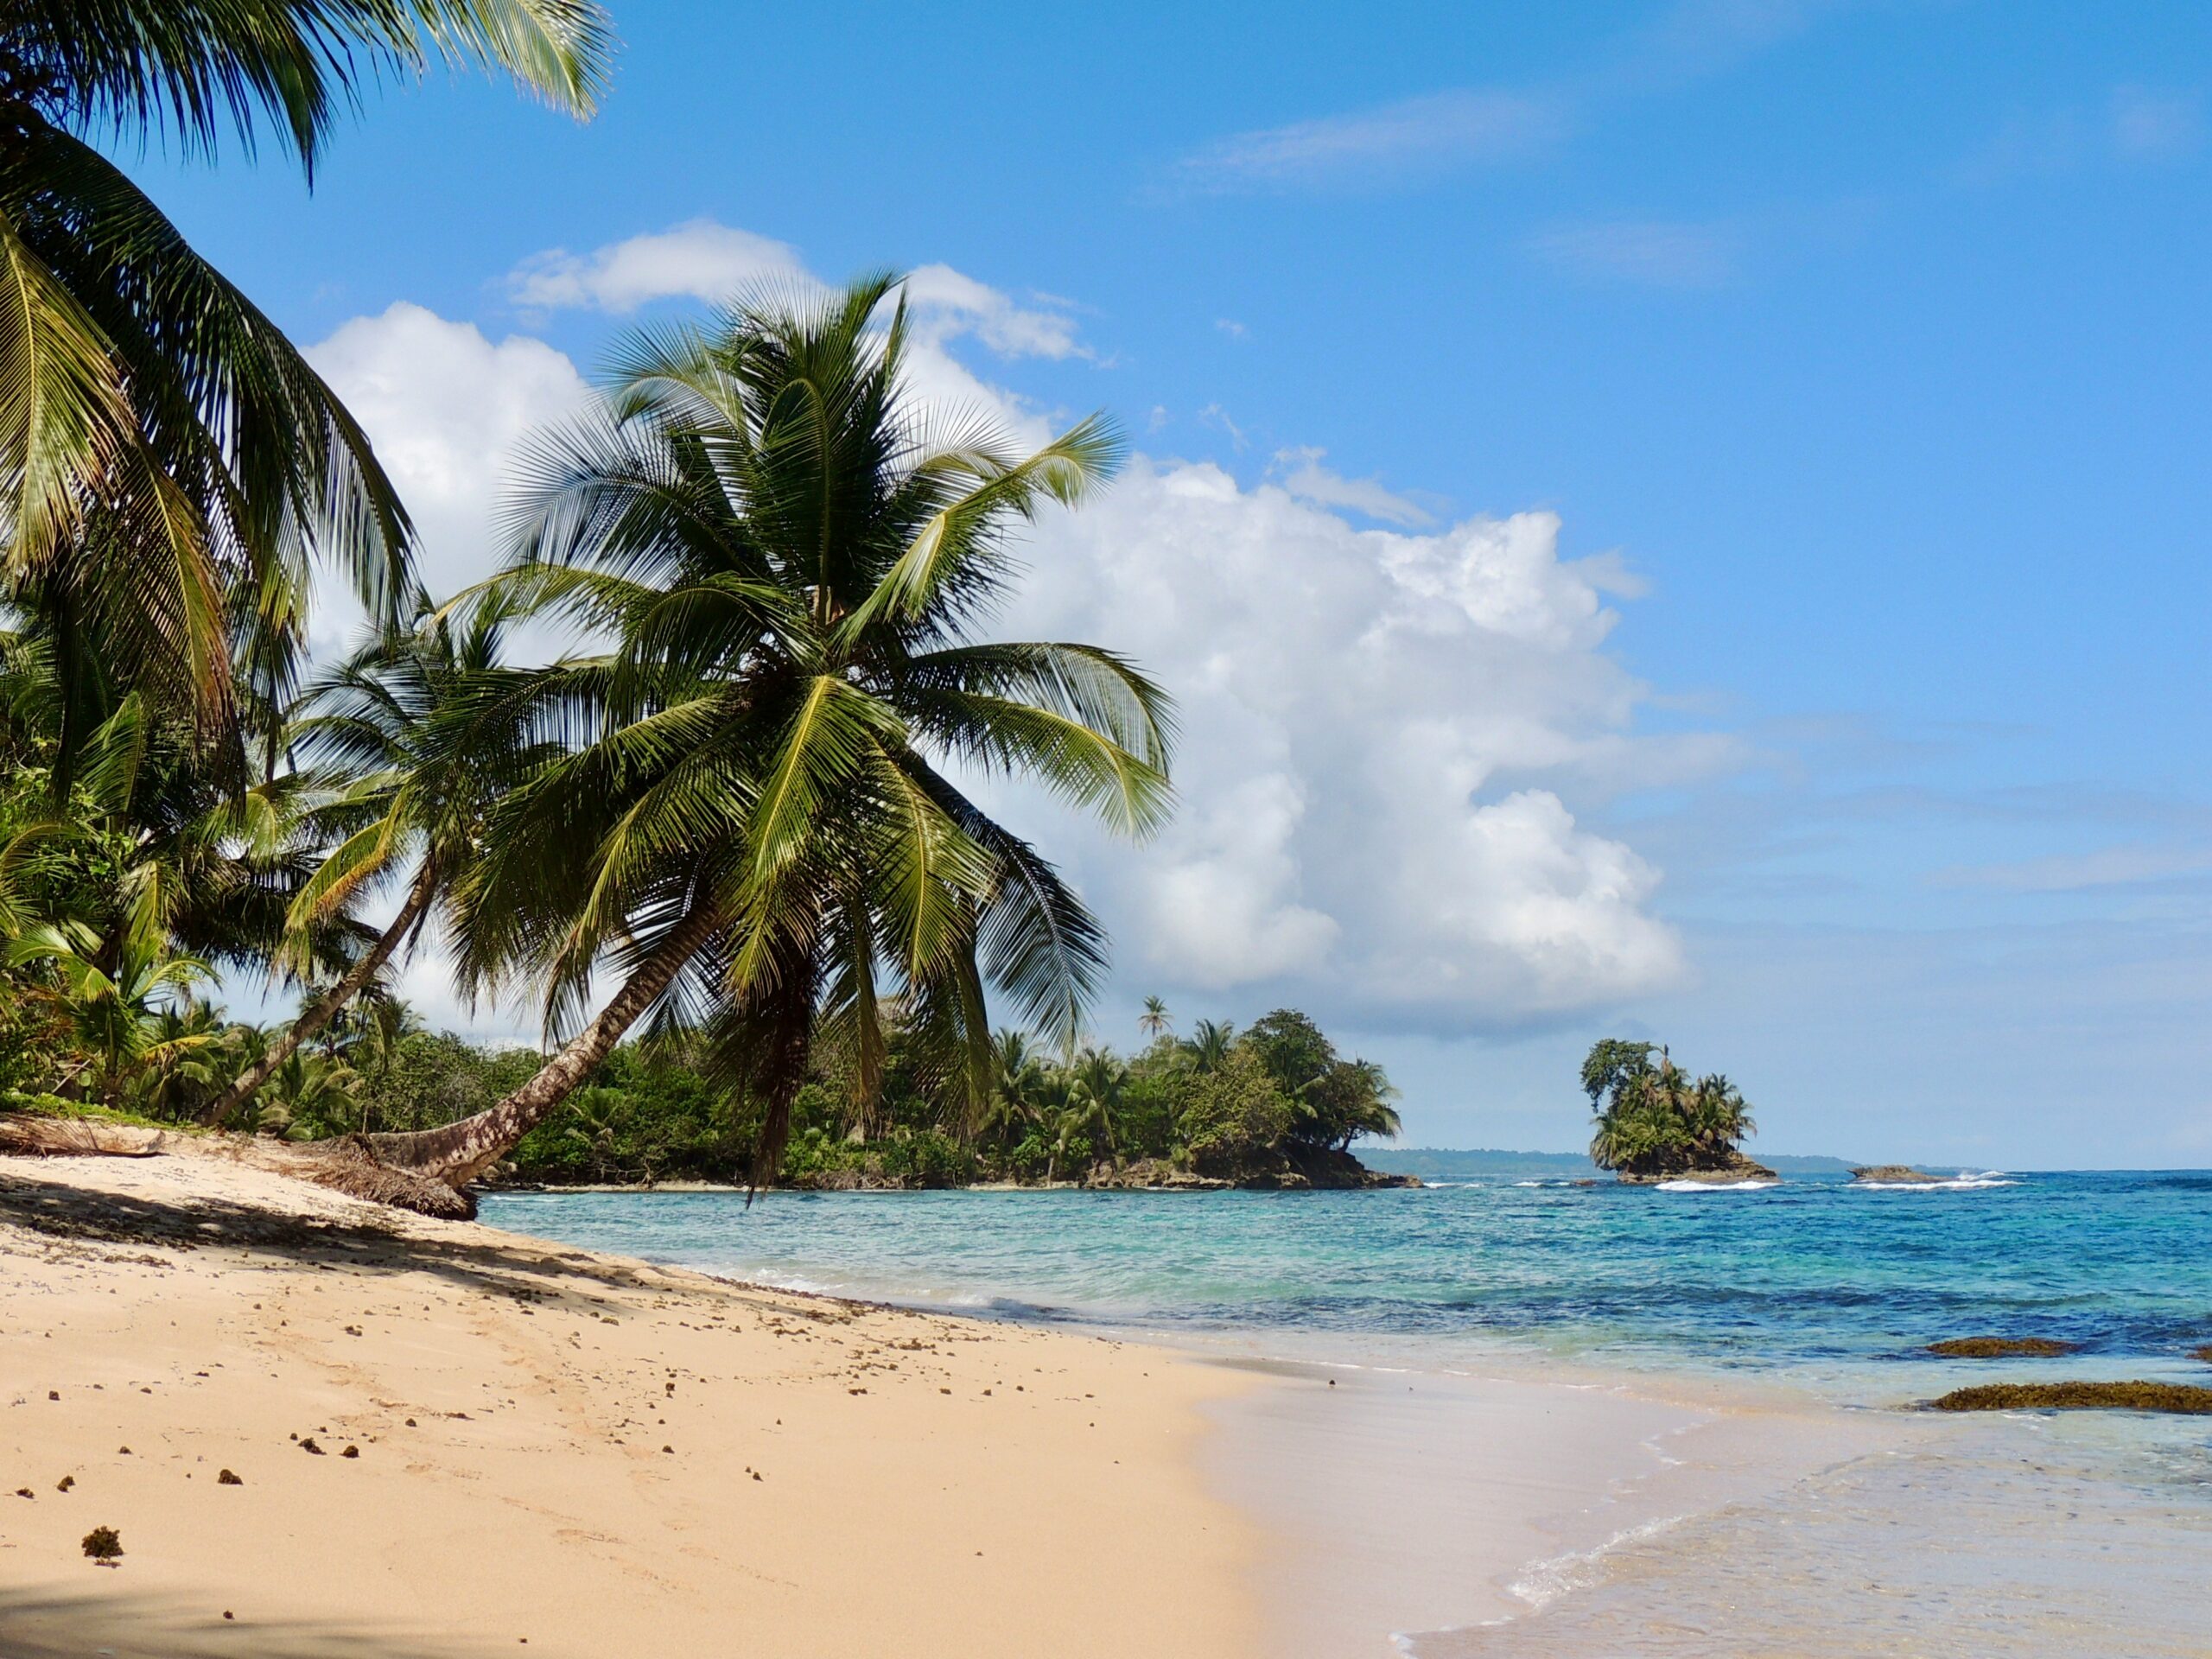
2079 1397
2002 1348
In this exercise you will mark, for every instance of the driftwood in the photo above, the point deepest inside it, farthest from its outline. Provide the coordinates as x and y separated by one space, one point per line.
347 1164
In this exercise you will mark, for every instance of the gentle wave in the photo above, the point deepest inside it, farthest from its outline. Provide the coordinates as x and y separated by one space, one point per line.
1714 1186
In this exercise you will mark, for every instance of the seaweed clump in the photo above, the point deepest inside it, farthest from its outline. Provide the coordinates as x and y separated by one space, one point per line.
2002 1348
102 1544
2203 1353
2077 1397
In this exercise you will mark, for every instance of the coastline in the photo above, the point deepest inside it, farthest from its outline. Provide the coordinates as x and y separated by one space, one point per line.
1135 1487
579 1475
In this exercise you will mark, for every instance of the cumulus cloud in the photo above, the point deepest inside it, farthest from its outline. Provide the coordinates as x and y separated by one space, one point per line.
1392 738
1351 700
699 260
448 410
708 262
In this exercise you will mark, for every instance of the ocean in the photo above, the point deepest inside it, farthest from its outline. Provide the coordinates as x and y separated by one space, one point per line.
2024 1534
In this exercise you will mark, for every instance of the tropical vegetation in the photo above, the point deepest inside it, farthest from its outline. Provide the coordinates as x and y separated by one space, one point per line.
734 847
1653 1119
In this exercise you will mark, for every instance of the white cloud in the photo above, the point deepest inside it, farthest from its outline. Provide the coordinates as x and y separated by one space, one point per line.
709 262
700 260
1442 128
1305 477
1384 729
1351 701
948 304
446 410
1651 252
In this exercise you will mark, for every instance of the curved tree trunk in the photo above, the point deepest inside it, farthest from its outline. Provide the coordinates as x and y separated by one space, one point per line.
459 1152
325 1008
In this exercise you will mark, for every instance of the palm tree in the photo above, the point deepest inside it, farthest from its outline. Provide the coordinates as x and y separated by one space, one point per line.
418 731
1207 1046
761 836
1095 1093
112 994
1155 1021
169 463
1018 1074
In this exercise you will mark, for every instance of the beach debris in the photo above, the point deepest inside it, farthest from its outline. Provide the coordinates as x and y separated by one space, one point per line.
54 1394
25 1491
123 1451
308 1445
2002 1347
2179 1398
103 1544
351 1451
64 1482
226 1478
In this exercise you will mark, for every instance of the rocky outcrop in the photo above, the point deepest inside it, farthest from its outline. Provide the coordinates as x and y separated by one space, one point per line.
2002 1347
1301 1169
1736 1168
1891 1174
2079 1397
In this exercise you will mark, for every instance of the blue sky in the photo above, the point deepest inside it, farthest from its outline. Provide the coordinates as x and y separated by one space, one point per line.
1863 349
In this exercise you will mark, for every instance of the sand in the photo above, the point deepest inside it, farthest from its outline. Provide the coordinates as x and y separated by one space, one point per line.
522 1444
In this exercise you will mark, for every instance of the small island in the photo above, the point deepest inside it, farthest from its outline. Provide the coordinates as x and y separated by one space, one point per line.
1655 1122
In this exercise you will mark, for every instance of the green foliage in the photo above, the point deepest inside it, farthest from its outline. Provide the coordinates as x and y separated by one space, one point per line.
1233 1113
1653 1119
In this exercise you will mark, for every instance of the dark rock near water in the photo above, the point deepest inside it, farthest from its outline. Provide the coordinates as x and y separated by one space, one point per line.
1886 1174
2002 1347
1737 1167
2182 1398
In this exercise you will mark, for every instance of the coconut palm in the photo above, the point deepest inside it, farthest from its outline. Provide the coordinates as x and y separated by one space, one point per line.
1095 1081
112 995
763 837
1207 1046
1155 1021
169 463
418 732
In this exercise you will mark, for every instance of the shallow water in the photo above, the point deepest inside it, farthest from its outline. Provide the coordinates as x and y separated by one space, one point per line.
2027 1535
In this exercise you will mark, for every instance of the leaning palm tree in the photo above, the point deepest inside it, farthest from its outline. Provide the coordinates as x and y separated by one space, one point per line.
768 835
169 463
418 733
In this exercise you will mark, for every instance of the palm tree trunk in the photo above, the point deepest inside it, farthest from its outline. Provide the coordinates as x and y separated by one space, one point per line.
325 1008
459 1152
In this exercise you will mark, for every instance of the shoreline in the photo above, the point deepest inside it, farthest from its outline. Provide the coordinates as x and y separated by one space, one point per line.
1129 1491
526 1444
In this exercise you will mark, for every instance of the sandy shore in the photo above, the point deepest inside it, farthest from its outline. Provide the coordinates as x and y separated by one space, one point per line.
523 1444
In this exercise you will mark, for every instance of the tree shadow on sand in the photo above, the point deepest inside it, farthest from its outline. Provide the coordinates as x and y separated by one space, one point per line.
63 1625
518 1268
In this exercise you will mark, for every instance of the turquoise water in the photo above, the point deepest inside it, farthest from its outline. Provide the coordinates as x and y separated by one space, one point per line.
2018 1536
1827 1284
